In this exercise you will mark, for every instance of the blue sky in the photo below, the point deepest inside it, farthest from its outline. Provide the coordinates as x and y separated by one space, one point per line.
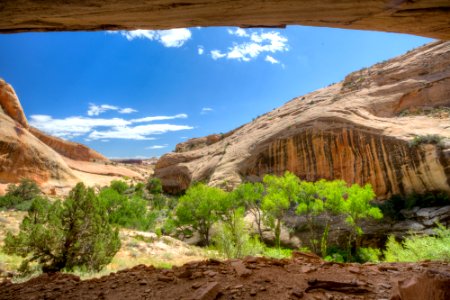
139 93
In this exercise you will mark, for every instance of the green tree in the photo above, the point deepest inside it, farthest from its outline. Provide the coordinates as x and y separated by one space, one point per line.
127 211
357 207
200 208
310 205
251 195
66 235
281 193
332 193
320 199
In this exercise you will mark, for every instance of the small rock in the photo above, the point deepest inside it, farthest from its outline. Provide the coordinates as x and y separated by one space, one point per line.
164 278
354 270
252 292
196 275
208 292
297 293
240 269
143 282
196 285
186 273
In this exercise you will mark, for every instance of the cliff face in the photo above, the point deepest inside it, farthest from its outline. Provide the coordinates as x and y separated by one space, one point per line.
420 17
360 130
68 149
26 152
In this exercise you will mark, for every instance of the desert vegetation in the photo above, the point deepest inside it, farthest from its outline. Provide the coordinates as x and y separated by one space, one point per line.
81 232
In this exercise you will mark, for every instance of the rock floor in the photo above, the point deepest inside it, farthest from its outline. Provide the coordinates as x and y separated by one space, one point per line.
302 277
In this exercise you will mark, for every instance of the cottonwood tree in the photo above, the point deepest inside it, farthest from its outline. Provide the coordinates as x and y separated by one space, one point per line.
357 207
281 193
250 195
200 208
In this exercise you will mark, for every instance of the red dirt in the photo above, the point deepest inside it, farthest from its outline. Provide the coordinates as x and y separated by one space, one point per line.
303 277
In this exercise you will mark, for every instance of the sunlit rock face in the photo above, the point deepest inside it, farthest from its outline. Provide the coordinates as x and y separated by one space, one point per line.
68 149
22 155
421 17
359 130
54 163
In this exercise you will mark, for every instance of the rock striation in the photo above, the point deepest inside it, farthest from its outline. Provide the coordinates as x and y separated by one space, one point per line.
420 17
357 130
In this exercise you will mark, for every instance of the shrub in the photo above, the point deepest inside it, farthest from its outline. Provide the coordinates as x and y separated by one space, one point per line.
368 255
66 235
235 241
20 196
119 186
277 252
426 139
154 186
418 248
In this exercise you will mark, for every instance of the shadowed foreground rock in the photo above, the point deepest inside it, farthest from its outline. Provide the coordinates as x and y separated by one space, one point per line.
421 17
303 277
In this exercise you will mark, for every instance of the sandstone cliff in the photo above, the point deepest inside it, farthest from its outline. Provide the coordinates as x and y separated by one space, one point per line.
421 17
68 149
359 130
55 164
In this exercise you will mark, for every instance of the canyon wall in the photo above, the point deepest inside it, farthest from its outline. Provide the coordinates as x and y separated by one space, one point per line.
26 152
361 130
420 17
68 149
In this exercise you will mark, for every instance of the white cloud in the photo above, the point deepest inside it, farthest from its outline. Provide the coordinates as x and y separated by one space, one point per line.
159 118
271 60
72 126
169 38
127 110
174 37
141 132
103 129
206 110
137 34
256 44
157 147
216 54
200 50
238 32
95 110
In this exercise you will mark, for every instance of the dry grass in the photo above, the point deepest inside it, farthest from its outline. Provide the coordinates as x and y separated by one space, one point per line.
137 248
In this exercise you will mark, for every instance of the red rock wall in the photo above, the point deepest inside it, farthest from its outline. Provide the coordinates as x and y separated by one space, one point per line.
356 155
68 149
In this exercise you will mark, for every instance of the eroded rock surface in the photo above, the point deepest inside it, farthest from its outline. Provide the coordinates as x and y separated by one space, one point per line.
353 130
421 17
302 277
